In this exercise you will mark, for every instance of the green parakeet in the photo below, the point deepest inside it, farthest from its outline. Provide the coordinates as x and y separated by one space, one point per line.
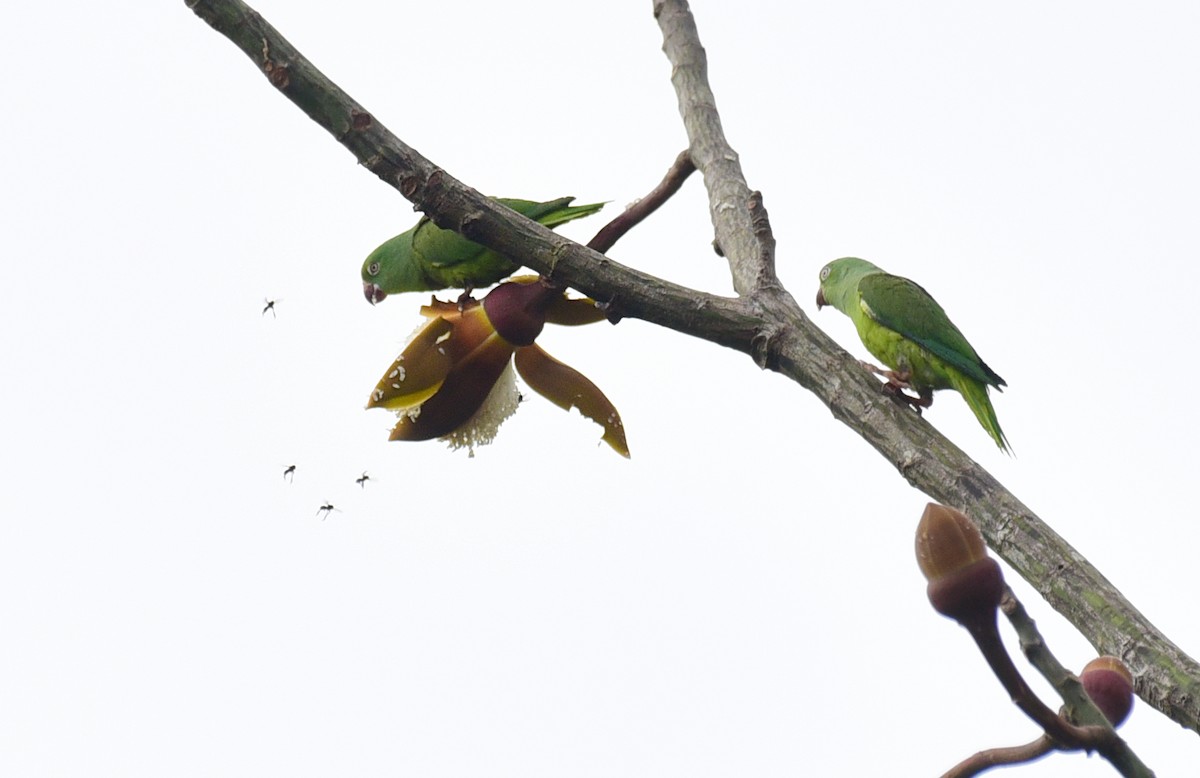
909 332
427 258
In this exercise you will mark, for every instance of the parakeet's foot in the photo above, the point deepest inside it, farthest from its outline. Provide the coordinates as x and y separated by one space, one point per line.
898 394
872 368
923 400
897 381
902 379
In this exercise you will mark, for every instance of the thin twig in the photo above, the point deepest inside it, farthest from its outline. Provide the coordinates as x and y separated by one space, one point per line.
999 757
1079 708
635 213
1066 736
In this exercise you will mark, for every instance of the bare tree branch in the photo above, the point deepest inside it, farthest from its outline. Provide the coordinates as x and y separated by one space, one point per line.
1165 676
751 263
765 323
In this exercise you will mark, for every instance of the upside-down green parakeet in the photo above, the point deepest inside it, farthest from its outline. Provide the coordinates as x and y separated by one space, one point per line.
906 329
427 258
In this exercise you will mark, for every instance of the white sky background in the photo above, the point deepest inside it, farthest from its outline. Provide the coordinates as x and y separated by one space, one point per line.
738 599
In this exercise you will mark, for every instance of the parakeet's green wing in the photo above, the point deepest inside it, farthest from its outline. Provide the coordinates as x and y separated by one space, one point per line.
903 306
454 248
435 247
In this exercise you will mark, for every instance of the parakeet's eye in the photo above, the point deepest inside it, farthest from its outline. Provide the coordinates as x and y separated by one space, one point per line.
373 269
824 273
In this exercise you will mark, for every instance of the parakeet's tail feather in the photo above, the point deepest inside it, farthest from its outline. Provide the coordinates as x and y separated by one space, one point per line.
976 395
568 213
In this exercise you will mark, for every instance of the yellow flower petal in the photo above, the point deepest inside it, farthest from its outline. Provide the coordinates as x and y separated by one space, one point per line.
451 334
574 311
567 388
419 371
460 395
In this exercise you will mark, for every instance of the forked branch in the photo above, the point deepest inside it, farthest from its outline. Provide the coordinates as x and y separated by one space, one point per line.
764 322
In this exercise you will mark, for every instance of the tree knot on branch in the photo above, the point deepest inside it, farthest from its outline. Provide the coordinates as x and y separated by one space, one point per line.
909 463
423 191
760 223
408 185
277 72
765 346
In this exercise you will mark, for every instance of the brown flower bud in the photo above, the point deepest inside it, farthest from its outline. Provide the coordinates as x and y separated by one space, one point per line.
964 582
947 541
518 310
1109 683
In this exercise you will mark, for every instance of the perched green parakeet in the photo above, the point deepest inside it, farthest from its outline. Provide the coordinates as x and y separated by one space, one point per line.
427 258
909 332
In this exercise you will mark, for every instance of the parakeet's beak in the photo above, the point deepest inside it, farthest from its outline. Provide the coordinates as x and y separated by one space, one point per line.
373 293
821 301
